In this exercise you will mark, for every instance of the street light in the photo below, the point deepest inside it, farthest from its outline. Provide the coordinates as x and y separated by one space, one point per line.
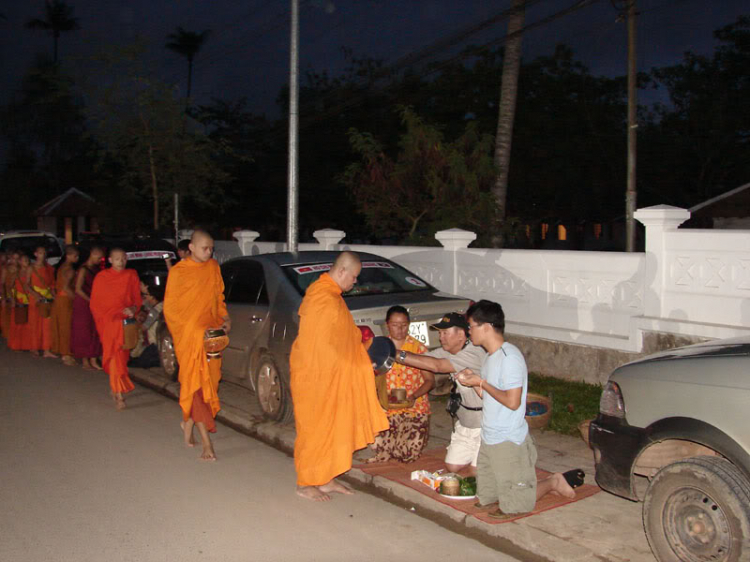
292 220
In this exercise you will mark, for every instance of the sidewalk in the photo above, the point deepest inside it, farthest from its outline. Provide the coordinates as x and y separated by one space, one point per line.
601 527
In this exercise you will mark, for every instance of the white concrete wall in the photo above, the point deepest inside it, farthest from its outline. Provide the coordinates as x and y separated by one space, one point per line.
688 282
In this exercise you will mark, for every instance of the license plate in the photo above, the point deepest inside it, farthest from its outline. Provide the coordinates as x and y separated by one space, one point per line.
420 332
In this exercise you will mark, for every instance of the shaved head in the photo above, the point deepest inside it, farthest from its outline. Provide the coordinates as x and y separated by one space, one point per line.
201 246
345 270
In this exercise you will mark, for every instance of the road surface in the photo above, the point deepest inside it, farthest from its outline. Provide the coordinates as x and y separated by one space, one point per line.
80 481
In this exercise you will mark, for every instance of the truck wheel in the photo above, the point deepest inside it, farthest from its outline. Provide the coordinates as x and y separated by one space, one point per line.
167 356
271 390
698 509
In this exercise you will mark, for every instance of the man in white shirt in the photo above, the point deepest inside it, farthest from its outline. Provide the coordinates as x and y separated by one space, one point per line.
455 354
506 471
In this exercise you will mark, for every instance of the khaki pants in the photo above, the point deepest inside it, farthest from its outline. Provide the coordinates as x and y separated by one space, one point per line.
506 474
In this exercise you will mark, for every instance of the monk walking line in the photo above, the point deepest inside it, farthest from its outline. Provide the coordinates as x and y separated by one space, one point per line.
115 296
336 408
194 303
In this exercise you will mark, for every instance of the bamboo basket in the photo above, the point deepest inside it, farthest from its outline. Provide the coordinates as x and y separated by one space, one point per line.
542 420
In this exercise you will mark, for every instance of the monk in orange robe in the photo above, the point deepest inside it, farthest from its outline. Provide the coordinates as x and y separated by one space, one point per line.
336 407
62 308
7 280
21 334
115 296
41 285
194 303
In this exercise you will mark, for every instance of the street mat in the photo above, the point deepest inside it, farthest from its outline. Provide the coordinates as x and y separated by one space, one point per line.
433 460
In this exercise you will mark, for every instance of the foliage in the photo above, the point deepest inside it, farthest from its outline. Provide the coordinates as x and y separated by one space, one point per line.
140 125
58 18
572 401
187 44
430 185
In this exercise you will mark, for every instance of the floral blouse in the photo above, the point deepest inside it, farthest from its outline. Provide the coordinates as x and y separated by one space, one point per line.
410 378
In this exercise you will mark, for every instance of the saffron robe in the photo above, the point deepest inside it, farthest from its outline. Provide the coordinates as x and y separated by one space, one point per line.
336 408
84 339
62 313
18 332
7 304
111 293
193 303
40 329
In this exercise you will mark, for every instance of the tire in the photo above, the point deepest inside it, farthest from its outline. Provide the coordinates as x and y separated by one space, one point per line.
272 391
698 509
167 356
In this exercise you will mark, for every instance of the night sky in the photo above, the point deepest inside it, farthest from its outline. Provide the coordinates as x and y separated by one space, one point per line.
248 51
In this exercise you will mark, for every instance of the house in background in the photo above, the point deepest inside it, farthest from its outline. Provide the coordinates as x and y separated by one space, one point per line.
69 214
730 210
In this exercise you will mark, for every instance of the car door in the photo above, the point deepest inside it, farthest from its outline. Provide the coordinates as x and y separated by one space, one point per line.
248 307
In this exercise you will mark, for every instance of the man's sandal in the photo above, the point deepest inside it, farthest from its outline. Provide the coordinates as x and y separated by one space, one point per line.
574 477
499 514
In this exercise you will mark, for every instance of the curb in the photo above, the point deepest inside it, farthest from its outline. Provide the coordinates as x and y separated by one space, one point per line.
515 538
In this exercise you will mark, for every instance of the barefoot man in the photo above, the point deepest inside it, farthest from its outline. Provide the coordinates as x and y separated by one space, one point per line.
62 308
336 408
194 303
115 296
506 472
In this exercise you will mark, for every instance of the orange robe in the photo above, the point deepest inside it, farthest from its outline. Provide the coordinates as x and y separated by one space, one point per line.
62 315
336 408
193 303
7 306
40 329
17 331
111 292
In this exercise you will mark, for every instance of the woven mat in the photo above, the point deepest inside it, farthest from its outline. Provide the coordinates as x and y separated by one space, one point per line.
433 460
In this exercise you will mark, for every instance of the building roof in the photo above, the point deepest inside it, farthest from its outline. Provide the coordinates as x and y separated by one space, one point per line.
69 204
733 203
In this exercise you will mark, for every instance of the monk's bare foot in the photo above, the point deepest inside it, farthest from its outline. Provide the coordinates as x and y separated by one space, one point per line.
187 434
87 365
68 360
95 364
49 355
35 353
334 487
119 401
208 454
561 486
312 493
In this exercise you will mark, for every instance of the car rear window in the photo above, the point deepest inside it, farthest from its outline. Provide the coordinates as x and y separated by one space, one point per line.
379 277
27 245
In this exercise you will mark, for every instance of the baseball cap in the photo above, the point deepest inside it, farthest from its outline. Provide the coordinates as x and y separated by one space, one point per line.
450 320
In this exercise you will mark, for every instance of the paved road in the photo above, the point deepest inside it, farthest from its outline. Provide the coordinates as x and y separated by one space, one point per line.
80 481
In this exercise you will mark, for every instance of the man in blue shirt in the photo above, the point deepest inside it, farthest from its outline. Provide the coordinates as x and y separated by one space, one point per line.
505 468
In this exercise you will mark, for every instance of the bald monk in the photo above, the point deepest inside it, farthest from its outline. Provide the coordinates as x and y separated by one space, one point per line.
336 408
115 296
194 303
62 308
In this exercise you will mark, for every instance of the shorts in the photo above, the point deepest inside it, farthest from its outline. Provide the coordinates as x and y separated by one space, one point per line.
464 446
506 474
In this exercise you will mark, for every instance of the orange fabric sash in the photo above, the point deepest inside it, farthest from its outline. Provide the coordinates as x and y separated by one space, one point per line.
333 387
113 291
193 303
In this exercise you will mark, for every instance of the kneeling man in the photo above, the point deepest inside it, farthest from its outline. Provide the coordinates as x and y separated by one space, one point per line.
506 466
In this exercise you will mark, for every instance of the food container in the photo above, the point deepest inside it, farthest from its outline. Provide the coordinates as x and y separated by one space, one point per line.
382 353
431 479
450 487
215 340
21 313
129 333
45 308
538 410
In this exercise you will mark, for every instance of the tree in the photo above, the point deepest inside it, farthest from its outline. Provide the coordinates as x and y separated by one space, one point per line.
431 184
58 18
507 107
187 44
142 127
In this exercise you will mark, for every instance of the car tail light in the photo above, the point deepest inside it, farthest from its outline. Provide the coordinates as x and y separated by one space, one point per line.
367 333
611 402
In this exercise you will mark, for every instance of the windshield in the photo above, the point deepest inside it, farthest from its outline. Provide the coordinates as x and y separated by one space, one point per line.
27 245
377 278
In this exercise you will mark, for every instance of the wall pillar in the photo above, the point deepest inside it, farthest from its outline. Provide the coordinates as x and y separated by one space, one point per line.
328 237
245 239
453 240
658 220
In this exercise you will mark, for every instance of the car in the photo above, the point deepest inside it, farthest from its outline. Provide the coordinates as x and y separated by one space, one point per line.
26 241
146 254
264 292
679 419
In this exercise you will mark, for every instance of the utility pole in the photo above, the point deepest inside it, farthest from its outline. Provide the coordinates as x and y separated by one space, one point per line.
292 225
630 192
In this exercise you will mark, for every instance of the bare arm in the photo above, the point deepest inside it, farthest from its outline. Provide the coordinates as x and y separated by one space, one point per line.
431 364
510 398
429 382
80 278
68 277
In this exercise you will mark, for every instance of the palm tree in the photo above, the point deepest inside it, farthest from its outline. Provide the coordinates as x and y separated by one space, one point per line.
187 44
507 110
58 18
